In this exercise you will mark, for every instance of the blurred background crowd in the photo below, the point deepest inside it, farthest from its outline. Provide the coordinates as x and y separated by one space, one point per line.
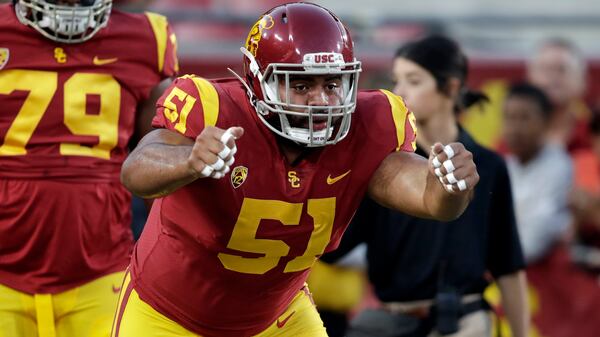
552 153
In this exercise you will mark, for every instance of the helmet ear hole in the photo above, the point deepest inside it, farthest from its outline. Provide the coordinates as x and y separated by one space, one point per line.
284 17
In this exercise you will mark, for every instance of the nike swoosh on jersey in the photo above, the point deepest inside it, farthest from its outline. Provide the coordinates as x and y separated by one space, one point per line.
331 181
116 290
280 324
100 62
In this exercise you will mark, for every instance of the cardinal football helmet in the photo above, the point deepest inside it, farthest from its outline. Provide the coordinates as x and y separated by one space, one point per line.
64 23
300 39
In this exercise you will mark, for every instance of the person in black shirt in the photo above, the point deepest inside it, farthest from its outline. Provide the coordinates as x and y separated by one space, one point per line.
430 276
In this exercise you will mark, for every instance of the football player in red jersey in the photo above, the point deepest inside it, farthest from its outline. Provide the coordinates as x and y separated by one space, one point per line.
76 82
256 177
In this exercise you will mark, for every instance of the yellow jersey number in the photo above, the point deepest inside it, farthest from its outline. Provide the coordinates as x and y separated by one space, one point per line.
244 239
42 86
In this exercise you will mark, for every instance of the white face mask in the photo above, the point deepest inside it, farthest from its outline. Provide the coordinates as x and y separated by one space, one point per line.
64 23
75 21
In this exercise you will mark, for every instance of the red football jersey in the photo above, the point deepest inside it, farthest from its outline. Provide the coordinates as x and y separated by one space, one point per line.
68 113
225 257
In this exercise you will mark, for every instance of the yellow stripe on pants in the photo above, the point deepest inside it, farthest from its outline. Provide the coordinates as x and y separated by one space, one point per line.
45 315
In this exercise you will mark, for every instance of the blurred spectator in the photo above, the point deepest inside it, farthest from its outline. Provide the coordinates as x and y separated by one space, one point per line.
585 203
429 275
540 172
559 69
565 299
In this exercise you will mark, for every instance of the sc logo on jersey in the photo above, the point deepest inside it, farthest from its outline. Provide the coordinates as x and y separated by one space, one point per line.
293 179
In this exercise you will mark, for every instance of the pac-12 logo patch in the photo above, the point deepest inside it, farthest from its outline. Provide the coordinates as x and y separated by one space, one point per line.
4 55
238 176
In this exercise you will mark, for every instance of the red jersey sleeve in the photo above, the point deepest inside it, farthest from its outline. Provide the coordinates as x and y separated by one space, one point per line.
189 105
166 45
404 121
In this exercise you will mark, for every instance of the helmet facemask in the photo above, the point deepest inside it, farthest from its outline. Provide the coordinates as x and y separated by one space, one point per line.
323 125
65 23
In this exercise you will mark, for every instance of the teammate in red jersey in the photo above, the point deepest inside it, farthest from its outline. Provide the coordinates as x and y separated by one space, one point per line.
72 94
252 191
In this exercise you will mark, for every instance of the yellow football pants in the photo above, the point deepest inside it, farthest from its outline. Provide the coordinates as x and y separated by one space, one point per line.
85 311
137 318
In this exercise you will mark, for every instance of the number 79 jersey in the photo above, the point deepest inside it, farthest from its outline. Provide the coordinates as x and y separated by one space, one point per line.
67 113
68 110
225 257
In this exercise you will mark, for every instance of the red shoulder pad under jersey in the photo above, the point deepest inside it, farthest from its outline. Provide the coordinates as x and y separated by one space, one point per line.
166 44
404 121
189 105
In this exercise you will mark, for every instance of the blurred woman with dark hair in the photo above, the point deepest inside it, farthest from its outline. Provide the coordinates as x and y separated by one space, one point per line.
429 275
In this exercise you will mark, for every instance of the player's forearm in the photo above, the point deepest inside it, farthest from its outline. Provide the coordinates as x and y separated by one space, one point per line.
513 288
155 170
403 182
